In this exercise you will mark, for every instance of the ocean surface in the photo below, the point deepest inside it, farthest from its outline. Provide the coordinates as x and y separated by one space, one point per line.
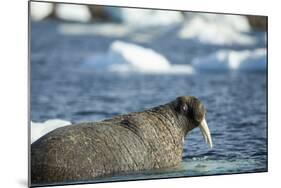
64 87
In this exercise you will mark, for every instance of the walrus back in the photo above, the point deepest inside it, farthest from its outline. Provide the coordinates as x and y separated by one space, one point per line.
127 143
86 151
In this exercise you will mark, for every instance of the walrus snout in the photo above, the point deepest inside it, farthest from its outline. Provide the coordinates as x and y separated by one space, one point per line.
194 112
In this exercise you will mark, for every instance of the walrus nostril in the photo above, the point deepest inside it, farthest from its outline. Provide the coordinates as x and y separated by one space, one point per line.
136 141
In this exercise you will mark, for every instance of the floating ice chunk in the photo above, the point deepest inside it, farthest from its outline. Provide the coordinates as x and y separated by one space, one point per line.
79 13
217 29
123 57
145 17
139 57
39 129
40 10
224 60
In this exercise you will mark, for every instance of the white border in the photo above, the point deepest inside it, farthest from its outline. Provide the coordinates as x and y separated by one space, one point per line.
13 82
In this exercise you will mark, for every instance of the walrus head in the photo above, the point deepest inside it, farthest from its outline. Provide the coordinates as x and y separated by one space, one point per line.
191 111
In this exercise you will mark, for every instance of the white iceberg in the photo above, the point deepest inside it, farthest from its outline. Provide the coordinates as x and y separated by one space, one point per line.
140 58
217 29
123 57
68 12
40 10
225 60
39 129
145 17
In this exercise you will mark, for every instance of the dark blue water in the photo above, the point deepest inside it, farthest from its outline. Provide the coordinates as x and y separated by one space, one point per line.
235 101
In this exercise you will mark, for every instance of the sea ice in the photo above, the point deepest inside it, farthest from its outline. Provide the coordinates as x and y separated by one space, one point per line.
39 129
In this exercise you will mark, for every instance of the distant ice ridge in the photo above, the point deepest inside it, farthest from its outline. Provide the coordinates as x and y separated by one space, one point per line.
39 129
68 12
104 29
224 60
40 10
140 58
145 17
125 57
217 29
79 13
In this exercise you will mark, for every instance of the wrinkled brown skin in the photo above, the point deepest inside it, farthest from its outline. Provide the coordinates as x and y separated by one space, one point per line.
138 141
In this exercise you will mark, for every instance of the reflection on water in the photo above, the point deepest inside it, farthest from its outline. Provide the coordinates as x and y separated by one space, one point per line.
192 168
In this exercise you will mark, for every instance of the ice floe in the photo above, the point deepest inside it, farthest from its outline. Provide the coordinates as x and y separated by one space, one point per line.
217 29
40 10
145 17
128 57
79 13
39 129
224 60
124 57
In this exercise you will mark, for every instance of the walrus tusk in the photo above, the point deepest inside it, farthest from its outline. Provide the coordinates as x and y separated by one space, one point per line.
206 132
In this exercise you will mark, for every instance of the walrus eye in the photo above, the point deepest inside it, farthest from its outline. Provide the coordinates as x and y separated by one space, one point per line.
185 108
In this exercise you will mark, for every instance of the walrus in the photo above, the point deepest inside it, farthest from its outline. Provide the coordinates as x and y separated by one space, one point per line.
146 140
